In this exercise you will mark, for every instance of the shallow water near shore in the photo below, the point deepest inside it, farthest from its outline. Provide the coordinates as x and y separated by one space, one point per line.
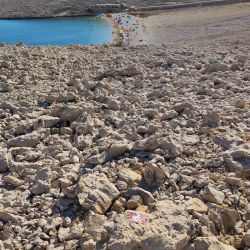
56 31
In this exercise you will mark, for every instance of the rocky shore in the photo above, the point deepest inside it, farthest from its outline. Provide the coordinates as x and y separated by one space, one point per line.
139 148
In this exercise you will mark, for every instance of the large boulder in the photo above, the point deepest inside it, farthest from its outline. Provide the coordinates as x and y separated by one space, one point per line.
163 229
96 192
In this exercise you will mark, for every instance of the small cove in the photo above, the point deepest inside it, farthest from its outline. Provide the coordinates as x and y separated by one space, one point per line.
56 31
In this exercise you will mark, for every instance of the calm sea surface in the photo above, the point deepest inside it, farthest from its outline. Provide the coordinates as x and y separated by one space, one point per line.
56 31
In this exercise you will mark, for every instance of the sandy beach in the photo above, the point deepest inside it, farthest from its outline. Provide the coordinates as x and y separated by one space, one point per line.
198 25
179 27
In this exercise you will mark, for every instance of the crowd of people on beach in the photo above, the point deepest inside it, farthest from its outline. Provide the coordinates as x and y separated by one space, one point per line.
130 27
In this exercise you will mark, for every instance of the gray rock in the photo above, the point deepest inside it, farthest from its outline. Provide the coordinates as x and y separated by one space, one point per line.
207 243
71 113
210 194
40 187
48 121
215 163
117 149
85 127
155 175
163 229
229 218
4 162
28 140
211 119
149 144
227 141
146 196
168 115
246 238
215 67
173 146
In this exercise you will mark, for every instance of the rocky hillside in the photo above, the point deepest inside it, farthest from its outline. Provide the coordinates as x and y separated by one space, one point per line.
125 148
49 8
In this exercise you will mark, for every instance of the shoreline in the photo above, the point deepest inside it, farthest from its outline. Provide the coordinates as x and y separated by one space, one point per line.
176 27
128 29
116 39
135 32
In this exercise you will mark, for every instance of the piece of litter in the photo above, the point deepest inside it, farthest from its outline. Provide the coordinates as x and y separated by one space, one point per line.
138 218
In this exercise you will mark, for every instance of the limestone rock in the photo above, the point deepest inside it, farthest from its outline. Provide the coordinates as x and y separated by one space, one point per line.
146 196
83 141
173 146
40 187
48 121
229 218
95 192
211 119
215 67
12 180
234 181
3 161
168 115
7 216
164 229
196 205
227 141
210 243
93 225
28 140
83 128
154 175
149 144
210 194
71 113
96 159
72 233
117 149
247 238
130 176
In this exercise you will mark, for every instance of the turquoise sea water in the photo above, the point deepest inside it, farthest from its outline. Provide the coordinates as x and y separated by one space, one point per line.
56 31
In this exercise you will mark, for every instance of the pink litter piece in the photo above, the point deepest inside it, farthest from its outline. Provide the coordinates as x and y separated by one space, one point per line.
138 218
